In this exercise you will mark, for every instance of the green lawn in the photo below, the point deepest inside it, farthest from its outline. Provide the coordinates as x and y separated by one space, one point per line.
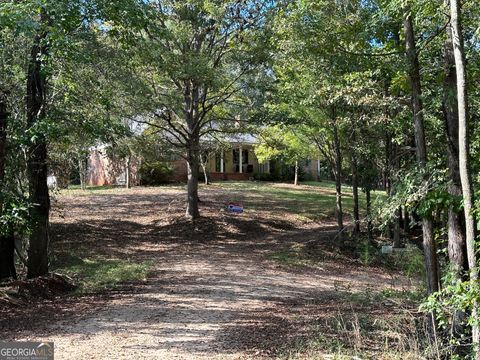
94 187
311 200
97 274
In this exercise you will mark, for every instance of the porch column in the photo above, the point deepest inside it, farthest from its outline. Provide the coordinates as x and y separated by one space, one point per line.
221 162
240 159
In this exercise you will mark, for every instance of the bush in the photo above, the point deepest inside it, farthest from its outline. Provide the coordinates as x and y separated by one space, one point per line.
155 173
307 177
264 177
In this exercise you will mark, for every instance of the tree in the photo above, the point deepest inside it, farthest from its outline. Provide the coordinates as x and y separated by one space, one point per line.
463 143
328 144
195 58
420 146
36 102
7 244
95 87
327 75
456 219
285 143
12 192
37 155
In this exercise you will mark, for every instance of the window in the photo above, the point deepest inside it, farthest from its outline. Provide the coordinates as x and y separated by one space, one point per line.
245 156
236 159
235 156
218 159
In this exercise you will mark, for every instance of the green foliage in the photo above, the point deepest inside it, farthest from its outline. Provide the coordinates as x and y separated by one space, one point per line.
265 177
422 191
15 213
367 253
285 143
155 172
407 261
456 296
95 275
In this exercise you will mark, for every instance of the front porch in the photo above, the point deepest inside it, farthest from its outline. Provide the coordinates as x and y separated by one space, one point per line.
237 163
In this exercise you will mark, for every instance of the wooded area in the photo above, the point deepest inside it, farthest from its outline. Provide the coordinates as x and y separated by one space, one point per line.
382 95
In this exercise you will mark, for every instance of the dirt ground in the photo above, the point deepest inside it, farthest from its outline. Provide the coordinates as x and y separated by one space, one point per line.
214 291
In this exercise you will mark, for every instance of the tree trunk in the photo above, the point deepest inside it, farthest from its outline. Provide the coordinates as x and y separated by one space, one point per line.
7 255
388 166
388 160
463 144
204 168
369 215
406 221
338 178
128 181
396 229
82 170
37 161
192 183
356 212
295 181
7 239
395 164
192 92
421 150
457 251
456 233
3 139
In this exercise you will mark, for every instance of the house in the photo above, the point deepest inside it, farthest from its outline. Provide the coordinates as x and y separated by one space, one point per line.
237 161
103 169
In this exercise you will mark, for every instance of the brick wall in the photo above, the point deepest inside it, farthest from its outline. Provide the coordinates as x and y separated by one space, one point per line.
180 172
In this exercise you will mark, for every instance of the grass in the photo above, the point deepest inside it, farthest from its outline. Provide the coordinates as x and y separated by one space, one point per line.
407 261
75 190
94 187
314 201
359 336
95 275
294 257
397 332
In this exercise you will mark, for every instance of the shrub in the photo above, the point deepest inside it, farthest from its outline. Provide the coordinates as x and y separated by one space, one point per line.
264 177
155 173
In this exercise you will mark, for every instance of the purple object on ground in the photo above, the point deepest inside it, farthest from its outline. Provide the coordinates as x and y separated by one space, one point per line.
235 208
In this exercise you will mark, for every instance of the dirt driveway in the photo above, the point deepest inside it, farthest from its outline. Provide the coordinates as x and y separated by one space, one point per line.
214 291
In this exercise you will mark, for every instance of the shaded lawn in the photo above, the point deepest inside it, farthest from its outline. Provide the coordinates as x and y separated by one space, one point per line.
311 200
75 190
97 274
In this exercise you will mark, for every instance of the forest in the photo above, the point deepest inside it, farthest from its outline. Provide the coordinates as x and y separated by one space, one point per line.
241 179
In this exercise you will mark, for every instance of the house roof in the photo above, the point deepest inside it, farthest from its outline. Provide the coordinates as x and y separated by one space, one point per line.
247 139
242 139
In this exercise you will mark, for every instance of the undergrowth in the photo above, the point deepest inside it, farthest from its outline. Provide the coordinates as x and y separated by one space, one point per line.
94 275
